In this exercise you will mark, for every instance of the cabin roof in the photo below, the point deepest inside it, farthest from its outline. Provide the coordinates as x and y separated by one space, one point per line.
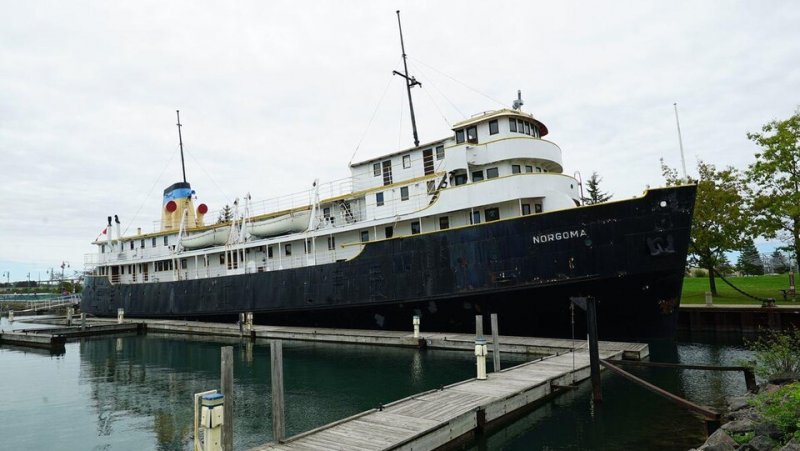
389 155
505 112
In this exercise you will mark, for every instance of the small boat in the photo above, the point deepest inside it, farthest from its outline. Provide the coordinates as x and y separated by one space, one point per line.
213 237
296 221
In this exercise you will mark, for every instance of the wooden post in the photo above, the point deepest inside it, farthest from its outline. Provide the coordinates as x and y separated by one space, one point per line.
495 343
750 380
478 326
83 321
226 381
594 354
276 362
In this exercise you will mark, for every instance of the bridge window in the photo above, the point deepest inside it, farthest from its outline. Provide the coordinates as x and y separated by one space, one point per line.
166 242
472 134
287 249
526 209
141 244
528 168
492 173
492 214
515 169
388 231
406 161
527 128
387 172
477 176
131 245
476 217
459 136
364 236
439 152
376 169
460 179
153 242
493 129
512 124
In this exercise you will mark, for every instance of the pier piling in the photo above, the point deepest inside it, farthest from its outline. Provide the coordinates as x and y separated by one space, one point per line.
415 322
226 382
70 312
276 362
495 343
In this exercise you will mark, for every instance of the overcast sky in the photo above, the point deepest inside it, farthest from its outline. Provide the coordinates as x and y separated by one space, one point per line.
275 94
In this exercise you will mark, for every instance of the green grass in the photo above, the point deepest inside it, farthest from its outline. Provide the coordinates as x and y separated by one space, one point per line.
694 289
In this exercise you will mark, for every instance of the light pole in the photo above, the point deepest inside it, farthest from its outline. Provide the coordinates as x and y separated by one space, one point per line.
7 275
63 265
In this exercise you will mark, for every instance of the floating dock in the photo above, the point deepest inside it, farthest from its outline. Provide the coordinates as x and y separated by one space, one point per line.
455 412
55 338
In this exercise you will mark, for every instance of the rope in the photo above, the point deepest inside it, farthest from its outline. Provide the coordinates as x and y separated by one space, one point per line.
458 81
729 283
369 124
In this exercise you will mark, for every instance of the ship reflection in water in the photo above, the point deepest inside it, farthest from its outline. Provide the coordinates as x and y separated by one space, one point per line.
135 392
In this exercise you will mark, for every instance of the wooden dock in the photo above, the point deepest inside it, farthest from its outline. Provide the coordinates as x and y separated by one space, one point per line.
435 418
55 338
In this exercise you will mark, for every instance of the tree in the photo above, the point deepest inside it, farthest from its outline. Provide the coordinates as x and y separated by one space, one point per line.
749 262
225 215
719 224
776 179
593 189
778 262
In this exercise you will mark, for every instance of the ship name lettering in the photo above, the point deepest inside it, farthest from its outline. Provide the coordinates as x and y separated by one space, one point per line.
567 234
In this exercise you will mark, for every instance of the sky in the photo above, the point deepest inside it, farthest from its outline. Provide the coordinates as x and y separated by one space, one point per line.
276 94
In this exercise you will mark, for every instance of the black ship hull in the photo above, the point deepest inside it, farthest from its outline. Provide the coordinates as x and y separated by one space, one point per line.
630 255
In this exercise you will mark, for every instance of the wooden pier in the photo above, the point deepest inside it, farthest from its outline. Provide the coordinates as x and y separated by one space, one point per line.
55 338
455 412
741 318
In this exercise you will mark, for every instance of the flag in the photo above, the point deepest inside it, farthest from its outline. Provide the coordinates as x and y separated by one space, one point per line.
101 233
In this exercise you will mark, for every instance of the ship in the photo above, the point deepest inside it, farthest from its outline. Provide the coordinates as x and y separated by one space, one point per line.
481 221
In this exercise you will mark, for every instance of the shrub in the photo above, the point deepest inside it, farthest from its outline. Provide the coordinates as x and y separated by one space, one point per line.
776 354
782 408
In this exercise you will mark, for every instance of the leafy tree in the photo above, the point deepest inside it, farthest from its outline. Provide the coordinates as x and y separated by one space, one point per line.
776 179
749 262
225 215
593 189
719 224
778 262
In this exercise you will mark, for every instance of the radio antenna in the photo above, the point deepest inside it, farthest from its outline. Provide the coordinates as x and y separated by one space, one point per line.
180 141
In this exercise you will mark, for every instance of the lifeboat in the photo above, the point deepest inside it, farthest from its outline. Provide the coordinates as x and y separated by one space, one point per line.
290 223
213 237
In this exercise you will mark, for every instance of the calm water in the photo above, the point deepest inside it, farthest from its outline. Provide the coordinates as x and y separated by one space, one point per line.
135 392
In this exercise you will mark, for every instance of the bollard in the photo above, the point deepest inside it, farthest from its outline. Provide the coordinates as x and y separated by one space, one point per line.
276 363
10 316
120 315
495 343
480 355
249 322
240 323
709 299
83 321
212 418
415 321
70 312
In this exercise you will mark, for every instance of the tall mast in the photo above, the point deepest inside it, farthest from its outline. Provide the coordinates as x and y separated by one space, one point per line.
410 82
180 140
680 140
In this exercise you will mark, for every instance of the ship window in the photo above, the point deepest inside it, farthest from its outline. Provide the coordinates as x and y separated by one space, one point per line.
387 172
427 161
364 236
406 161
476 217
444 223
528 168
537 208
287 249
493 129
269 251
526 209
222 258
439 152
376 169
512 124
388 231
153 242
331 243
460 179
520 126
326 212
477 176
184 263
459 136
305 246
515 169
492 173
538 169
141 244
527 128
415 227
159 266
431 186
492 214
131 245
535 130
166 243
404 193
472 134
379 199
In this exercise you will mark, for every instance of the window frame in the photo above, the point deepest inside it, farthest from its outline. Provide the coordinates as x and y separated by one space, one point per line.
516 169
460 136
404 196
439 152
460 179
287 249
376 169
494 127
526 209
473 139
406 161
364 236
491 214
512 124
480 176
388 232
528 169
444 222
416 228
490 171
379 199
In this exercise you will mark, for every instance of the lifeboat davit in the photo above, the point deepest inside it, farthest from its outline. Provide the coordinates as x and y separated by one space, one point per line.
296 221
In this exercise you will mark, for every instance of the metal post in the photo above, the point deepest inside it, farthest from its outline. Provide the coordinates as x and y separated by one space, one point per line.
415 321
594 354
70 312
495 343
478 326
276 362
226 381
709 299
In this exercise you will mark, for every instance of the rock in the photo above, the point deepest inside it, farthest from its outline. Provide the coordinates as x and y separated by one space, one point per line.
769 430
719 441
738 403
739 426
757 443
749 414
793 445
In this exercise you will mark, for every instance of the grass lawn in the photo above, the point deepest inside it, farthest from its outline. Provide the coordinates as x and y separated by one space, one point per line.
768 286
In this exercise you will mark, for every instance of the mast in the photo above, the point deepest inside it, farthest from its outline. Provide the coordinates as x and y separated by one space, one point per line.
410 82
180 141
680 140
